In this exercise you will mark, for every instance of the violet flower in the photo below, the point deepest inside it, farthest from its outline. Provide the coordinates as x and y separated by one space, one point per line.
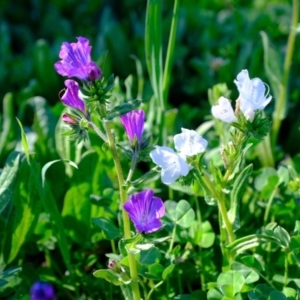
134 124
42 291
71 96
145 211
76 61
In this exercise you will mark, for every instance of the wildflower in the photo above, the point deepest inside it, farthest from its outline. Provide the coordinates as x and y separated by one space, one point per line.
145 211
134 124
42 291
189 142
173 165
253 94
224 111
69 119
76 61
71 96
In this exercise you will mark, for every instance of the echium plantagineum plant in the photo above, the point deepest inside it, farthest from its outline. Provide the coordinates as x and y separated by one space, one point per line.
151 227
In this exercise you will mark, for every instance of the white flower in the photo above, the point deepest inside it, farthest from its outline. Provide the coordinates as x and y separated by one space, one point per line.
189 142
224 111
173 165
253 94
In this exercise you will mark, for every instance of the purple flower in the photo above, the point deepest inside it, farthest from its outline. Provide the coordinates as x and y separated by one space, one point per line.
42 291
71 96
145 211
134 124
76 61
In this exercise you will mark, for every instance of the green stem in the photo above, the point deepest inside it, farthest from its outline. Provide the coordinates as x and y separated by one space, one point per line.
98 131
132 167
286 269
153 289
170 52
269 204
221 206
123 198
172 240
280 105
199 221
230 167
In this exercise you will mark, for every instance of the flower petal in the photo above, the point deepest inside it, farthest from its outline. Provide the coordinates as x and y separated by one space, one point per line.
71 95
189 142
145 211
134 124
253 95
76 61
223 111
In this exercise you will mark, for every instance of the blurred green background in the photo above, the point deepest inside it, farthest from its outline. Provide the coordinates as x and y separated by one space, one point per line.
215 41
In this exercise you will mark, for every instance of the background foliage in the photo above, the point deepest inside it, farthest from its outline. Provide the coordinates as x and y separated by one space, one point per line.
215 40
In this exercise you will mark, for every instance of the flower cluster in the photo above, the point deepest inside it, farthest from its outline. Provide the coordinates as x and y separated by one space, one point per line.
253 96
173 165
76 62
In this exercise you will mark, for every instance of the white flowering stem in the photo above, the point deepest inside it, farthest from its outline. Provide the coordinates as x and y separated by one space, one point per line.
204 179
123 197
230 166
280 105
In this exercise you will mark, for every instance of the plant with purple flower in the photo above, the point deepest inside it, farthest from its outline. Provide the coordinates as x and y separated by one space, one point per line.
76 61
145 211
133 122
42 291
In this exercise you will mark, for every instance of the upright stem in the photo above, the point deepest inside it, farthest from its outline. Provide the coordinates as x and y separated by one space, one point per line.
282 99
170 51
123 198
221 206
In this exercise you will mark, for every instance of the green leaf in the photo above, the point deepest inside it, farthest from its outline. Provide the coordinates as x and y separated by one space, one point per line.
251 262
249 274
261 292
250 241
151 256
108 275
111 232
272 68
50 163
44 125
122 109
155 271
3 282
214 294
180 213
153 47
26 211
24 141
290 292
276 295
233 279
7 184
50 207
168 271
8 131
282 235
204 236
295 242
65 147
236 194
